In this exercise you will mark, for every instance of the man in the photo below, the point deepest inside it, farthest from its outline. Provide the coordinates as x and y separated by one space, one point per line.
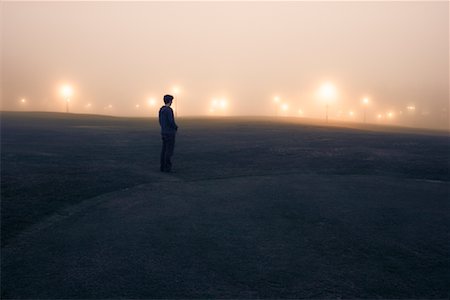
168 131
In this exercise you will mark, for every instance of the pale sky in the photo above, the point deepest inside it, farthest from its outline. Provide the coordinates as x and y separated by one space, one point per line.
124 53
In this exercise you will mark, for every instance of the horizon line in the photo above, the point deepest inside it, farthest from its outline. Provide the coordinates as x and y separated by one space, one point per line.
312 121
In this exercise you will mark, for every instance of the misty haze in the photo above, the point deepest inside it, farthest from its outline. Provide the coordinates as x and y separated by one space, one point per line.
228 59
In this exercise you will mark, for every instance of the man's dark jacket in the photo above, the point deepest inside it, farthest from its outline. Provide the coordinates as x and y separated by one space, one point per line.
167 121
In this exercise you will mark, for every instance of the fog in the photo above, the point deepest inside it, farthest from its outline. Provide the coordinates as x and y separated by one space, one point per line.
230 58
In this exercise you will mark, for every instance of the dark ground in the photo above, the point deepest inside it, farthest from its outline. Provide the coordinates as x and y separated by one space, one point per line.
255 209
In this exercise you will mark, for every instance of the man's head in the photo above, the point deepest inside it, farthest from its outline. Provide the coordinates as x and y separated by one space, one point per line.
168 99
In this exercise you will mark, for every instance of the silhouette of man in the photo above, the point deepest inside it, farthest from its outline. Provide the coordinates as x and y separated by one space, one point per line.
168 131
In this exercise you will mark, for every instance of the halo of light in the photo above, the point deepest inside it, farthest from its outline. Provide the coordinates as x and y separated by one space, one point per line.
66 91
223 103
175 90
327 91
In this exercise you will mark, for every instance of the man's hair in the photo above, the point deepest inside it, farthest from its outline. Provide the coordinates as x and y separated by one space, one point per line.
168 99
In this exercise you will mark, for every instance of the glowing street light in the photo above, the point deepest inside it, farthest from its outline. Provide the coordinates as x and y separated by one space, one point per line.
328 93
151 102
23 102
223 103
365 102
218 105
276 99
67 92
300 112
411 108
284 107
176 92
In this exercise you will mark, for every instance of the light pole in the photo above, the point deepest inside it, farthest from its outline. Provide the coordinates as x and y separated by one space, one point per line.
277 102
411 109
328 93
284 108
218 106
23 103
365 102
176 92
390 115
151 102
67 91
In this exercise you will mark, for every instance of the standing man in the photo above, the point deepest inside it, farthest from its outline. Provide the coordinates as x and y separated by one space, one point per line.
168 132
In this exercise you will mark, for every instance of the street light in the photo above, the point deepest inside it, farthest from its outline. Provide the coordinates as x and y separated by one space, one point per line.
365 102
218 105
151 102
23 102
328 93
411 109
176 92
223 103
67 92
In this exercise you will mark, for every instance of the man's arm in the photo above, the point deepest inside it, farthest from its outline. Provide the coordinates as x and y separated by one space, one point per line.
172 120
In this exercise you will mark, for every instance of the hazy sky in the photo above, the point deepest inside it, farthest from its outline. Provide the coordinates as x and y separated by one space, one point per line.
123 53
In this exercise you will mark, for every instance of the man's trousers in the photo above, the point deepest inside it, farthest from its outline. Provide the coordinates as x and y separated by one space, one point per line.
168 144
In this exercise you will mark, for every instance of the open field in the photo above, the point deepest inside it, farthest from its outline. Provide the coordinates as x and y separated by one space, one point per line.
256 208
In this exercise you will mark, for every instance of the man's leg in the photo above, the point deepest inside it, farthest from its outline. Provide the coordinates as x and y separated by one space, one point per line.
170 145
163 155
